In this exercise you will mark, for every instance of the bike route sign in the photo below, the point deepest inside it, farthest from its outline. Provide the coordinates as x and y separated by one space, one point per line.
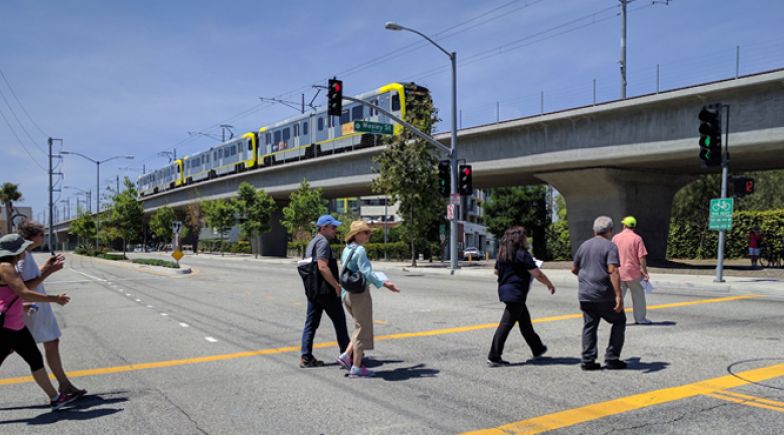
720 214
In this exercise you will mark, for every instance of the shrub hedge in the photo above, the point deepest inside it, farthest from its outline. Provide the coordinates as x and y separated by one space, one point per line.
241 247
156 262
113 257
687 240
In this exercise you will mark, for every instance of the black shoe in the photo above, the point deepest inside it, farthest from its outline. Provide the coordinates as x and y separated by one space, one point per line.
540 353
491 362
309 361
615 364
590 366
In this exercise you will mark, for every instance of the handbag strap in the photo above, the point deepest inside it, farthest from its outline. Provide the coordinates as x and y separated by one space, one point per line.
351 254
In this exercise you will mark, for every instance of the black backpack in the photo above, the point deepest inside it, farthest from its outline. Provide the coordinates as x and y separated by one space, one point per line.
314 283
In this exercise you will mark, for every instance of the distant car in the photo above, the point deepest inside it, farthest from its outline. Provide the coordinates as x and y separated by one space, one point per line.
472 253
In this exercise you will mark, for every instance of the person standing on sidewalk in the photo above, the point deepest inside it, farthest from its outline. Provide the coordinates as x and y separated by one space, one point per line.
515 267
599 289
360 305
328 297
634 267
755 245
14 335
40 319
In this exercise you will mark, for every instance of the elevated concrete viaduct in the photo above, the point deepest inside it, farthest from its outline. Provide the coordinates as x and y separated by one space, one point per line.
616 158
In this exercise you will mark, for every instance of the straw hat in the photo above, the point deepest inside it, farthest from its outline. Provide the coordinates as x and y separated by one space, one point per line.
356 228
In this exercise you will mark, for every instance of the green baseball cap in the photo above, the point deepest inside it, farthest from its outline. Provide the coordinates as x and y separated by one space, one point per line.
629 221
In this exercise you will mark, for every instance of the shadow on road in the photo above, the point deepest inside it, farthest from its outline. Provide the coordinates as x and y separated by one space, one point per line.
553 361
82 409
646 367
406 373
662 323
372 363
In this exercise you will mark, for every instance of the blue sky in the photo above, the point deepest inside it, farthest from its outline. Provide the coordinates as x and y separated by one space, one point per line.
113 77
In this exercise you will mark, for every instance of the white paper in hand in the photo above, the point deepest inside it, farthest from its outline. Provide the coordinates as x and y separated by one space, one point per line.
647 286
538 262
304 261
381 276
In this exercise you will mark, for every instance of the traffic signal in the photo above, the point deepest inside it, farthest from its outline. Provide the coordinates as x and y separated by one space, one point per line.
710 136
444 178
742 186
465 183
335 97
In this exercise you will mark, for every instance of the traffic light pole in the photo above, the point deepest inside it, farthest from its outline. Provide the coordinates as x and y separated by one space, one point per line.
725 163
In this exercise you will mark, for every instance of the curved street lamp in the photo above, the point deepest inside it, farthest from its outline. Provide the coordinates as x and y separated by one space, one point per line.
391 25
98 183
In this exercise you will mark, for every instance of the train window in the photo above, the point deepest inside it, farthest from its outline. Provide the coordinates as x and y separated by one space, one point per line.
320 124
296 130
215 155
305 128
268 137
276 137
356 113
330 121
374 112
344 118
286 134
250 145
396 102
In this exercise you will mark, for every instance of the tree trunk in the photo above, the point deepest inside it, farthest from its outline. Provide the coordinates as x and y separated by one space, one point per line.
221 245
413 246
257 238
9 209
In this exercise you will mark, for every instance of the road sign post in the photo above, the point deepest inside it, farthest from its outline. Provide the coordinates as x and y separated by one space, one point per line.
177 254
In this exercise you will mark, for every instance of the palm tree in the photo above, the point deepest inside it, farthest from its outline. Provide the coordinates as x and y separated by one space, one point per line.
9 193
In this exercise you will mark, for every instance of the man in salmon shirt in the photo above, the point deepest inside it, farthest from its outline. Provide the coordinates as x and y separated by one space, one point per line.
634 267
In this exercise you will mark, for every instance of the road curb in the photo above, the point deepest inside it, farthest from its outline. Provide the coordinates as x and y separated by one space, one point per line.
158 270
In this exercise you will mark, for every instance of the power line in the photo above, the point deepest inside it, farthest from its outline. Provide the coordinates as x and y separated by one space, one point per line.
21 105
10 127
13 113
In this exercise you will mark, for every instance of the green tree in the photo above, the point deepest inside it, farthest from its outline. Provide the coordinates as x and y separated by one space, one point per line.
9 193
193 221
255 208
408 175
161 223
305 206
126 215
220 216
83 227
521 205
559 246
768 192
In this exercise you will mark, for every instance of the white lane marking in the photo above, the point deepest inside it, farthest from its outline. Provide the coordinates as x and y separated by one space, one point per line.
211 340
138 300
184 325
94 278
164 314
149 306
90 280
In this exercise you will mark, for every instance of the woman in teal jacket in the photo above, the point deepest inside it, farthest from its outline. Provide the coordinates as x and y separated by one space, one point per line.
360 305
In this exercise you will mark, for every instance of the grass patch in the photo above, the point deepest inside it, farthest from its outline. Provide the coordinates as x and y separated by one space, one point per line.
113 257
156 262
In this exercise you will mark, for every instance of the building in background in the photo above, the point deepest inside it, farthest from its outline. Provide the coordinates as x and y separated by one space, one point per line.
19 214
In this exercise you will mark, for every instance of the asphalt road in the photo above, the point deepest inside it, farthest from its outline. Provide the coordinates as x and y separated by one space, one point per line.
216 352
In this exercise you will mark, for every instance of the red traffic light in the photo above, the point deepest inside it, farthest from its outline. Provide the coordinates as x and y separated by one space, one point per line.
467 171
336 87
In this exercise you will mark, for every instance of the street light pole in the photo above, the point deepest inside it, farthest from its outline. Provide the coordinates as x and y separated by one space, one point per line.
453 149
97 184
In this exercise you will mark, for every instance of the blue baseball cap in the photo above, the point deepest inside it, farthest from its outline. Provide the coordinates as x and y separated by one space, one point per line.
327 220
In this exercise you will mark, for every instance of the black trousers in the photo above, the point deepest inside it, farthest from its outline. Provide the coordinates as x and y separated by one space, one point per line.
21 342
515 312
593 312
316 307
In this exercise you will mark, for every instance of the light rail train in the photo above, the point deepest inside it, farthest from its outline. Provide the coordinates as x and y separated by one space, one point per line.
305 136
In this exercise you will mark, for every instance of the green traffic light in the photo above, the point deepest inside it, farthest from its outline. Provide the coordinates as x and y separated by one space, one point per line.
707 141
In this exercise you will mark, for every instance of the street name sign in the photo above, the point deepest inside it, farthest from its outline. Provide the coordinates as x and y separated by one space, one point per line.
373 127
720 217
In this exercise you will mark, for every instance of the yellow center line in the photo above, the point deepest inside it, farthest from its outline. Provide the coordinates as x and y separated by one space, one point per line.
596 411
747 400
288 349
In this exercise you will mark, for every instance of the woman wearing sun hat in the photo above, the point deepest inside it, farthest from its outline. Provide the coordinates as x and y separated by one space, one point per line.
360 305
14 336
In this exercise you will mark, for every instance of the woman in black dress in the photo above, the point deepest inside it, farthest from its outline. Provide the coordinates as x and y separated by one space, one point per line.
515 268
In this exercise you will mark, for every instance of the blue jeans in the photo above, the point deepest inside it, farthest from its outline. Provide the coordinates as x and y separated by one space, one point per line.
334 308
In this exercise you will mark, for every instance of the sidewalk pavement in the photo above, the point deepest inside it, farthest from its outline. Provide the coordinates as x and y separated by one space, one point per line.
669 282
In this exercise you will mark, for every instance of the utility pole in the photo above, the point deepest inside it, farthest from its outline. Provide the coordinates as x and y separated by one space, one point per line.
623 48
51 200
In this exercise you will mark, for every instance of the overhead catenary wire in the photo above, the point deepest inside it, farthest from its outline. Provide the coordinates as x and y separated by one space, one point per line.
18 121
19 140
7 83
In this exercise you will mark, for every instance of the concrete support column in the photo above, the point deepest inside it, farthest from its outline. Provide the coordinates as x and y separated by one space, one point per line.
646 195
275 242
